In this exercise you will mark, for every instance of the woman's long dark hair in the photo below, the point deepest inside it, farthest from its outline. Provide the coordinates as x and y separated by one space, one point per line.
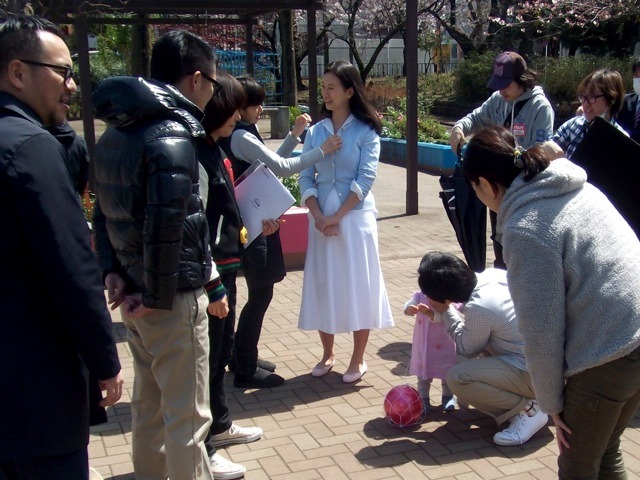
492 154
358 103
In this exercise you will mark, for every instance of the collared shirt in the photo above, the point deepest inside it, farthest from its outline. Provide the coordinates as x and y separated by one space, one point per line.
351 169
571 133
487 321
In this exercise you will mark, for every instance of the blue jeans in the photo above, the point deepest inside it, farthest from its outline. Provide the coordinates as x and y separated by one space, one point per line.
599 403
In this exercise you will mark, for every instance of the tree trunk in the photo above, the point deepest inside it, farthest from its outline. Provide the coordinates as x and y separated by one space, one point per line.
288 66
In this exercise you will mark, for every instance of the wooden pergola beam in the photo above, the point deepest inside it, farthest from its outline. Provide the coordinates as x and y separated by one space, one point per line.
179 7
82 12
173 20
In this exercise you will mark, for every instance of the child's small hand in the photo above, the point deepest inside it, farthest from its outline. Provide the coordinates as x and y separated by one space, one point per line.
425 310
411 310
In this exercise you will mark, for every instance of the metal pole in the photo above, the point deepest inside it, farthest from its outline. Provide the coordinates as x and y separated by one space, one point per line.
412 107
84 65
313 63
248 39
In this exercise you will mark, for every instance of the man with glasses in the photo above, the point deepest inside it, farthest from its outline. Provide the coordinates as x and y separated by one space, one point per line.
152 243
53 314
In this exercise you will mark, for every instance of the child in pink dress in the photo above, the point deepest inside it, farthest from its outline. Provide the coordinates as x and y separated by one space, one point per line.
433 351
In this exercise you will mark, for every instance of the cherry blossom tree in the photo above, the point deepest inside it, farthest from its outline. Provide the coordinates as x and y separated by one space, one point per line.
381 19
601 26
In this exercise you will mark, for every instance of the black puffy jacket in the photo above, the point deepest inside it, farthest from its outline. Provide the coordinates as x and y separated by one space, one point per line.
148 219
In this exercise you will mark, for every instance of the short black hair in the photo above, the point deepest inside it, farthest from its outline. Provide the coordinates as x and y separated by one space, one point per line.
222 106
255 92
180 53
19 37
442 277
635 65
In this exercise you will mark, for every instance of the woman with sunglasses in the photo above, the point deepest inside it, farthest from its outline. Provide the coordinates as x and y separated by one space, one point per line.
600 94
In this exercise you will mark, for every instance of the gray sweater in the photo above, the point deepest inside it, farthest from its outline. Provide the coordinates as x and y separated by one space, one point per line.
532 125
574 276
246 146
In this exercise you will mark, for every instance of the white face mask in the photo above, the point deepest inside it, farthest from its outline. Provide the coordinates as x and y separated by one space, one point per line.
636 85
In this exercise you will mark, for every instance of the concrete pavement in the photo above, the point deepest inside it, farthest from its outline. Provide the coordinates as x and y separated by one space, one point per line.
320 428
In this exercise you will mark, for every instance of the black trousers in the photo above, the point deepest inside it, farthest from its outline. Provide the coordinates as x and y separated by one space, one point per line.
74 465
497 247
220 347
245 349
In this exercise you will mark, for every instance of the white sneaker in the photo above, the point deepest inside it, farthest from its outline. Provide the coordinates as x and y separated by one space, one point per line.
224 469
521 429
236 434
94 475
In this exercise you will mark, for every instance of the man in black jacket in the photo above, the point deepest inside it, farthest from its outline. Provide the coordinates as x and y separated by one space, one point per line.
152 242
629 114
52 307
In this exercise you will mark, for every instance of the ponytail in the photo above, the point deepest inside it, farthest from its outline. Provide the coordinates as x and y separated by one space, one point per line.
492 154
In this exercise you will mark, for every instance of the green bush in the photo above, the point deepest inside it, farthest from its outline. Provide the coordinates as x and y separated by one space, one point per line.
561 76
292 185
295 111
394 123
471 76
439 85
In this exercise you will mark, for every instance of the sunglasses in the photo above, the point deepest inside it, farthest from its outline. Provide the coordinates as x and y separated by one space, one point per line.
216 86
65 72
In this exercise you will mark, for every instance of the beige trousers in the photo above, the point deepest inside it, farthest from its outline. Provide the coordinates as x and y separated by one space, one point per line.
492 386
170 402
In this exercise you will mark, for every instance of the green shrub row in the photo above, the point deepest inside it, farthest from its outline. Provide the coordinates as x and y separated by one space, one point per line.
558 76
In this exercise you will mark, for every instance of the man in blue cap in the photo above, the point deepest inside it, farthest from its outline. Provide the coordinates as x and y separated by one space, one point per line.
517 104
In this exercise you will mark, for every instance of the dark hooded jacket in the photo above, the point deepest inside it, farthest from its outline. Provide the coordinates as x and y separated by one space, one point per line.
149 224
53 313
223 215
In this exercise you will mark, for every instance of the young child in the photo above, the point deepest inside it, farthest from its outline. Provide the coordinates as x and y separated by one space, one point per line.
433 351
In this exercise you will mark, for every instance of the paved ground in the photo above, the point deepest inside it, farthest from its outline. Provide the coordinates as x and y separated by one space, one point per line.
324 429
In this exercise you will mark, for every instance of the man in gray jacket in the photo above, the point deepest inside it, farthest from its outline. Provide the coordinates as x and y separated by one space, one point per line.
495 379
517 104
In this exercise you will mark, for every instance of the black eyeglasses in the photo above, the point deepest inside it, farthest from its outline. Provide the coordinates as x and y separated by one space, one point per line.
63 70
590 99
216 86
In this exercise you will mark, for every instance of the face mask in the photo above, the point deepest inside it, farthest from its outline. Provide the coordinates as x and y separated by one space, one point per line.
636 85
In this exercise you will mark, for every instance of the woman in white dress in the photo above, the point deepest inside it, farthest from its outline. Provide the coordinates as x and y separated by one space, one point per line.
343 289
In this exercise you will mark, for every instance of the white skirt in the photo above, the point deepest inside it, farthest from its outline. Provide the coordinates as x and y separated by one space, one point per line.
343 289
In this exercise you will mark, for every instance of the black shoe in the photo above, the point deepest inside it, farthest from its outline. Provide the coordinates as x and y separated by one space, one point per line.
263 364
266 365
261 379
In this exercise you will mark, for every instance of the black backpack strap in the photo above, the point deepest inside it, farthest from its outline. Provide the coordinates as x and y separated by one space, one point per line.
516 110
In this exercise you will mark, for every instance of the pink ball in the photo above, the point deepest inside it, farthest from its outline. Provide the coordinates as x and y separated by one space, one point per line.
403 406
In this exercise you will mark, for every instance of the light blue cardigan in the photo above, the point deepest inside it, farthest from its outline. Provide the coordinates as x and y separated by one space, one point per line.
351 169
